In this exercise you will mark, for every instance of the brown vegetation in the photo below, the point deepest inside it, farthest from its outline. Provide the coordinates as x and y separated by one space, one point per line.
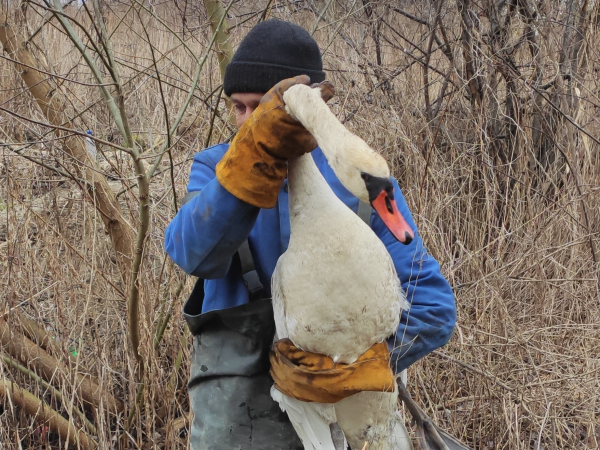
488 111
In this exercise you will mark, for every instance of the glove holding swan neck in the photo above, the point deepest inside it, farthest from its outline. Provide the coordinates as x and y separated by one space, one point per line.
255 165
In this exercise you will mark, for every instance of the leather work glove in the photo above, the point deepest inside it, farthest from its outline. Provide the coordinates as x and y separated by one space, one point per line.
255 165
312 377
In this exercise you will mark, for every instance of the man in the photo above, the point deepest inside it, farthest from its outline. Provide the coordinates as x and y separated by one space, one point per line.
238 194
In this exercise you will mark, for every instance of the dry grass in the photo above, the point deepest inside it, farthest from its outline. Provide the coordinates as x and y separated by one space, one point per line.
515 240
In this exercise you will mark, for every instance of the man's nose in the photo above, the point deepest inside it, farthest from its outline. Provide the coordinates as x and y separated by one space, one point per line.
249 111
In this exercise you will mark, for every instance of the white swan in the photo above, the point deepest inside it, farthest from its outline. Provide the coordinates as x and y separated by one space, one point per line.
335 290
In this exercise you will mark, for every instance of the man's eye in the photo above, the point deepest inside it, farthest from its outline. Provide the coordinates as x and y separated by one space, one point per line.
239 108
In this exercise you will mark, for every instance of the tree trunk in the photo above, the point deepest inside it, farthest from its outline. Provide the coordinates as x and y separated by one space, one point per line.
54 105
215 11
470 52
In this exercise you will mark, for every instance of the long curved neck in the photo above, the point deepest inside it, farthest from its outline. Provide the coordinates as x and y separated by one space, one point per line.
344 151
318 119
308 189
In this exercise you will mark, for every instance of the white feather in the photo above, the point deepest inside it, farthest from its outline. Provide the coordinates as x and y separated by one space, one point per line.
310 420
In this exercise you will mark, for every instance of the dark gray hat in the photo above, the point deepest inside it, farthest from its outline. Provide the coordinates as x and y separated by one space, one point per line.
273 51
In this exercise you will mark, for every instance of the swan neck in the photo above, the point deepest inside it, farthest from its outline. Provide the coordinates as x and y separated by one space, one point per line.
326 129
306 183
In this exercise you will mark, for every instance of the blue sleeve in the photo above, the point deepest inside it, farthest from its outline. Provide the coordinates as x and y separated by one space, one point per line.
429 322
210 228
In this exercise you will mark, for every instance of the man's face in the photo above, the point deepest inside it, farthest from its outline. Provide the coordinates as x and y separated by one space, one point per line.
244 104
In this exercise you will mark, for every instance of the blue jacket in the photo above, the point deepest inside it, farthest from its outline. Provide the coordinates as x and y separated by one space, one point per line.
208 230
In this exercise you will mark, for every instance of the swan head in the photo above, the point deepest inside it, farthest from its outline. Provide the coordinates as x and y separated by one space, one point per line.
366 175
361 170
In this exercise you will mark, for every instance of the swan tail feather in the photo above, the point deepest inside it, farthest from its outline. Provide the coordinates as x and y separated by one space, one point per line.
310 420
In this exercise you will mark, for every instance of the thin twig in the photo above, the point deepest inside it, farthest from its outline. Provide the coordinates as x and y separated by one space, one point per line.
325 8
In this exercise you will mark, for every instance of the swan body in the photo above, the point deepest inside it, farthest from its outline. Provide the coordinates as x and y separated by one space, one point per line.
335 290
350 292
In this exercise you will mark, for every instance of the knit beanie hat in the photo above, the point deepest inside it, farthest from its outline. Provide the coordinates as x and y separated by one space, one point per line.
273 51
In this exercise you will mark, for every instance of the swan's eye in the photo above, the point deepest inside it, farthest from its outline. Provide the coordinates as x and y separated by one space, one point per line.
377 185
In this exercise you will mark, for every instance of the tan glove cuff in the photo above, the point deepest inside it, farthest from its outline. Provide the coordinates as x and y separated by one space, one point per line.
250 174
255 165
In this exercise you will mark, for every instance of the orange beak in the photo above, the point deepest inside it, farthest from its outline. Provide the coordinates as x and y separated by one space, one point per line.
388 211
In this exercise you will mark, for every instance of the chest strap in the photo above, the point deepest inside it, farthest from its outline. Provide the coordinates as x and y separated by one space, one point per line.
249 273
364 212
